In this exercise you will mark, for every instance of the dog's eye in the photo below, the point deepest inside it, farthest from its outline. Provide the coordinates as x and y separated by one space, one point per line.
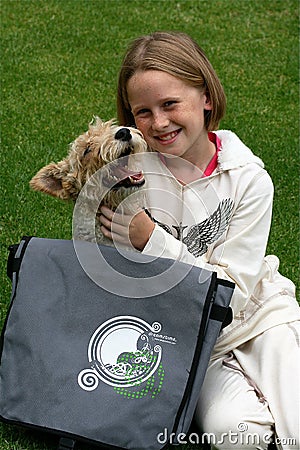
87 150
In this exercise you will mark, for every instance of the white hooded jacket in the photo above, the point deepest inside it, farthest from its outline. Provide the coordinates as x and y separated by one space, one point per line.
221 223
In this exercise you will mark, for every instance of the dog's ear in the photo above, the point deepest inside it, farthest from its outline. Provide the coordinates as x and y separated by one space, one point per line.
54 179
96 121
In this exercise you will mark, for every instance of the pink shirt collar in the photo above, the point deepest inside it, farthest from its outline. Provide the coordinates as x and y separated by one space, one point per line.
213 163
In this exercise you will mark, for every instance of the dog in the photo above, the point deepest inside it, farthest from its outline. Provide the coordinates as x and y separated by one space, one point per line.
104 146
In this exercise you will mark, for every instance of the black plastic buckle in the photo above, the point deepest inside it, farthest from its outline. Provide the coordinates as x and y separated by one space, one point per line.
66 444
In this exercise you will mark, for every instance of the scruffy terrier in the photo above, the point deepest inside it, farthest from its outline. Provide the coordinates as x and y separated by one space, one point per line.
104 146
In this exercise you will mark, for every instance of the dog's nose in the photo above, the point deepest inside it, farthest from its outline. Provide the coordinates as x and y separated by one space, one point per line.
123 135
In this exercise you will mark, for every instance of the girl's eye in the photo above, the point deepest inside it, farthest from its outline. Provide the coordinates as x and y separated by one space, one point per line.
170 103
142 112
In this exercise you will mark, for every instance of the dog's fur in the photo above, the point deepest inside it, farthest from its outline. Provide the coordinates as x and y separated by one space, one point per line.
103 143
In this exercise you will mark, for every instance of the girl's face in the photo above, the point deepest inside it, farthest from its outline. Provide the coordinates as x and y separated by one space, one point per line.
169 113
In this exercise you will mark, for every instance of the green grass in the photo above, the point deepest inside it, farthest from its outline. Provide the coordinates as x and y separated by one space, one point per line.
59 66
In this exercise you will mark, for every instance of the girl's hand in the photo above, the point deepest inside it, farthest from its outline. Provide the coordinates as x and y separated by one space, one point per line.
126 229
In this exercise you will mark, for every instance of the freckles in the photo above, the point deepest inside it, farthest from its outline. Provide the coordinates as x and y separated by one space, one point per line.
141 124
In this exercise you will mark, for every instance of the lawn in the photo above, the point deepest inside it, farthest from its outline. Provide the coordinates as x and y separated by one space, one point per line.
59 67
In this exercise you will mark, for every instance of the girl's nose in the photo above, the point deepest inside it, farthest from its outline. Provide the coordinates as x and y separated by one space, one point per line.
160 121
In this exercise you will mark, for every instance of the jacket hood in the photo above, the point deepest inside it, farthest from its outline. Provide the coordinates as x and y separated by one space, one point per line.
234 153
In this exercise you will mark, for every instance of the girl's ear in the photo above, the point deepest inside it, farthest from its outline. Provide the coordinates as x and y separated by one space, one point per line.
52 180
207 103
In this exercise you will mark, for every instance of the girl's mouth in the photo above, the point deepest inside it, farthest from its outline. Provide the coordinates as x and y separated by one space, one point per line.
168 138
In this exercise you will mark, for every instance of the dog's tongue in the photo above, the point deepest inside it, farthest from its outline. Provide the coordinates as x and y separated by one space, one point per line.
136 176
122 172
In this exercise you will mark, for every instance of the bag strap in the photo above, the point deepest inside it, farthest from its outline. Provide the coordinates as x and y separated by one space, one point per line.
222 314
66 444
210 296
16 253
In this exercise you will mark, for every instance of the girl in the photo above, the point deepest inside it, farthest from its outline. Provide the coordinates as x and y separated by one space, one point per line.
209 204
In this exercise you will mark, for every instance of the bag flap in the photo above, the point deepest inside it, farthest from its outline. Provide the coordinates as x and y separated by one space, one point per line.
77 354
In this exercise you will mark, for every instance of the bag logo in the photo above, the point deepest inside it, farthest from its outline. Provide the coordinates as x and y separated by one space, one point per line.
123 353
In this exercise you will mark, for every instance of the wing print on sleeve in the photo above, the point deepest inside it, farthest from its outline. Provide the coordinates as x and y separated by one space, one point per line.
204 233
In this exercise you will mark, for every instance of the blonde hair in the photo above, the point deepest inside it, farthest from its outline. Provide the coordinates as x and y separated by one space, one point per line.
179 55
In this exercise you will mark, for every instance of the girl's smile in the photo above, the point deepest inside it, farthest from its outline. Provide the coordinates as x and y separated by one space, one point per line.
170 114
168 138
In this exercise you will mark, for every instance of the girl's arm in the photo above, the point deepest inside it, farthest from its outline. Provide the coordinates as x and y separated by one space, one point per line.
239 254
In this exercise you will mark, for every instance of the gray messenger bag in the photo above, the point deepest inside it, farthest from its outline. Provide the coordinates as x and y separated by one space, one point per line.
104 346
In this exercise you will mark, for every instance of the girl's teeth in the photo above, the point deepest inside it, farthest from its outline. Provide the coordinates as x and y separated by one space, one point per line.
168 137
